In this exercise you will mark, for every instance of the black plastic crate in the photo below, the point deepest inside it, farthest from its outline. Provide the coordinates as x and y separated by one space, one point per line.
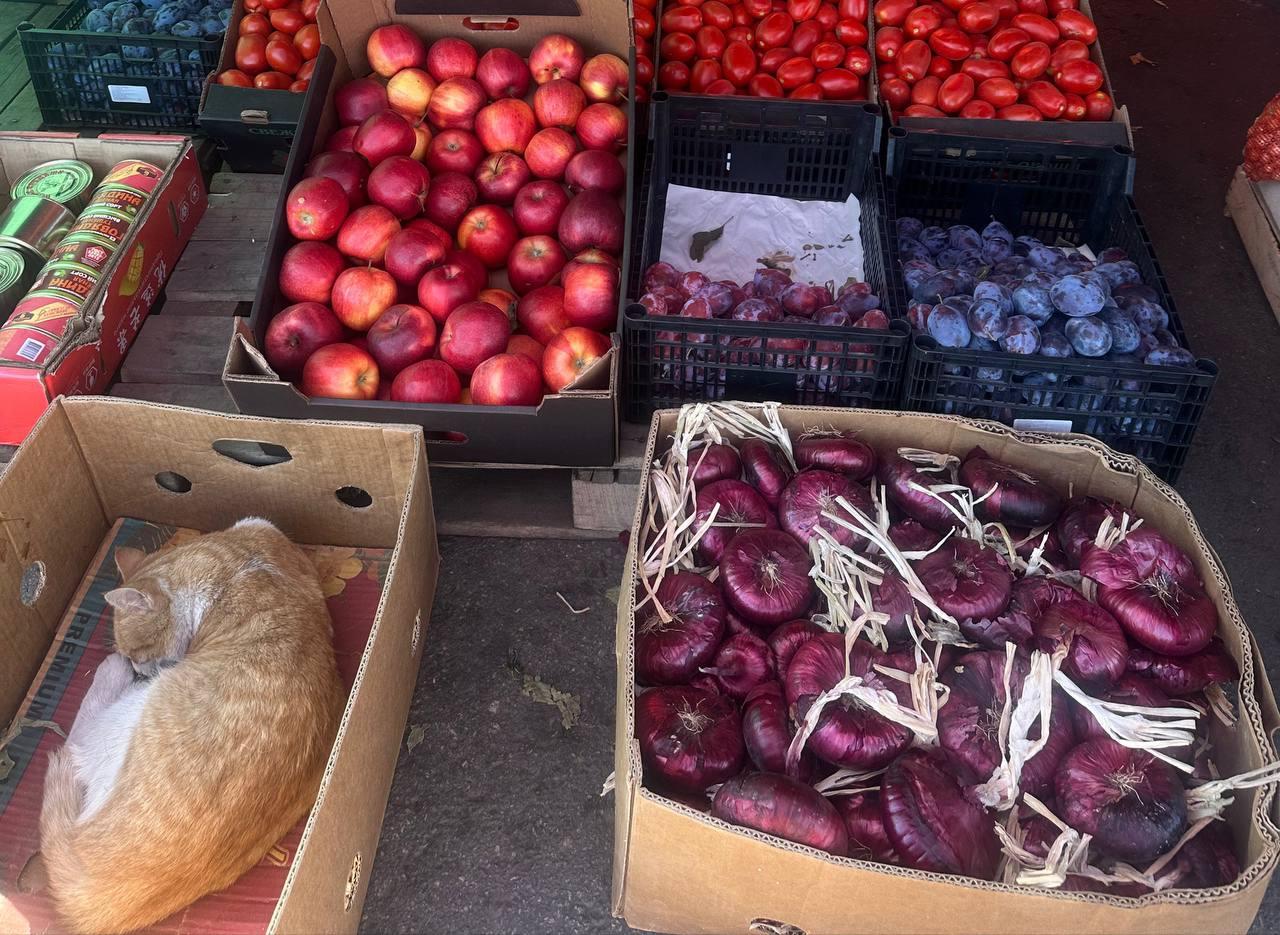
795 149
1063 194
115 80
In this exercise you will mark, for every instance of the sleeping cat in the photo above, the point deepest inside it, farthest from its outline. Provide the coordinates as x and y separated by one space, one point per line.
172 787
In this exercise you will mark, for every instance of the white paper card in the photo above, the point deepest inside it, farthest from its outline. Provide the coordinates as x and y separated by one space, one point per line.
1050 426
129 93
816 241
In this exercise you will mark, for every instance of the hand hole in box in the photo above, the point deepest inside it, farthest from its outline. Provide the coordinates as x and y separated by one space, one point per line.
444 438
479 25
254 454
416 634
32 584
356 497
173 482
353 884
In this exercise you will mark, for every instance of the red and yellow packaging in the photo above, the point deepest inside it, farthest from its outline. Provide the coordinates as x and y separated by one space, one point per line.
104 224
134 173
66 280
87 253
122 198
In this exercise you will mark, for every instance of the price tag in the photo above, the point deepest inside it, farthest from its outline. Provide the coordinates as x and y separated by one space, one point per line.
129 93
1051 426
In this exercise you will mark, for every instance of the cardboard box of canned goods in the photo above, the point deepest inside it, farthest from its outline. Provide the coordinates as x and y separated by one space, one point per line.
680 870
90 230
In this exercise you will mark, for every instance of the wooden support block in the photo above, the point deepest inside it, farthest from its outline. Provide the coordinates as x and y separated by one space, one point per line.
212 398
216 270
183 349
512 504
608 507
225 183
219 308
1255 207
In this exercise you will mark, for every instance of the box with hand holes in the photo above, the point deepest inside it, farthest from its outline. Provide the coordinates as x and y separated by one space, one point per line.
98 473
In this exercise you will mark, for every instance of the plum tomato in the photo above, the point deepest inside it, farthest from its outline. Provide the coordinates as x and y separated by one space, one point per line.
1079 76
940 67
307 42
1039 28
273 81
762 85
1076 108
282 56
1073 24
287 21
977 17
980 69
896 92
299 85
999 92
858 61
717 14
851 33
913 60
925 91
1007 9
839 85
770 61
1046 98
951 43
802 10
1068 50
921 21
888 41
806 92
678 47
978 110
774 31
954 92
644 23
1038 7
673 76
704 72
892 12
795 72
720 87
251 54
1057 6
757 9
923 110
1019 112
235 78
254 24
683 17
711 42
738 63
1005 43
1030 61
827 16
740 34
807 37
828 55
853 9
1099 106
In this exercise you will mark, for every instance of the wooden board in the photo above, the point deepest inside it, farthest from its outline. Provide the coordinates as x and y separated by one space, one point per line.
1255 207
510 504
13 66
183 349
23 112
216 270
213 398
211 308
241 209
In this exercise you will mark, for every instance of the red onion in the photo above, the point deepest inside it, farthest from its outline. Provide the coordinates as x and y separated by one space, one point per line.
1019 499
689 738
762 469
1185 675
743 662
711 463
1152 588
847 734
783 807
898 474
1078 884
1097 649
842 453
1029 599
739 503
670 652
1026 542
766 729
786 639
765 576
910 536
966 580
812 493
1079 523
864 821
1132 803
891 597
1208 859
1129 689
930 822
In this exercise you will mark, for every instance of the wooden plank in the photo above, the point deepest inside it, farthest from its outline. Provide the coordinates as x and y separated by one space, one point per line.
213 398
221 308
511 504
182 349
209 270
1247 210
23 113
224 183
245 223
13 66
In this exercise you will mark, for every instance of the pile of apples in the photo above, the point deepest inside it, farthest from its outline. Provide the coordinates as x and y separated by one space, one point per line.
458 237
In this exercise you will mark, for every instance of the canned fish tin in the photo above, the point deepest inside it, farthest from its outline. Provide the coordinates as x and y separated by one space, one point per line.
46 315
15 279
105 224
66 181
122 198
135 173
36 223
84 252
66 280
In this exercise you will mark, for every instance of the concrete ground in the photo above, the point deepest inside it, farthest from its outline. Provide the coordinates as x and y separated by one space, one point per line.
496 823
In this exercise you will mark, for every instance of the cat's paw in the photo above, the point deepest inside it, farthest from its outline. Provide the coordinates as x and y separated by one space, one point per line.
113 676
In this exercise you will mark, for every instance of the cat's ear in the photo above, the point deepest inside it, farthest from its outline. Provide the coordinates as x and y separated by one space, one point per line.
128 559
129 600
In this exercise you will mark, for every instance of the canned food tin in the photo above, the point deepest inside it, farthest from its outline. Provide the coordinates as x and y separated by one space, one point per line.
45 318
88 253
109 226
122 198
35 222
66 181
136 174
16 274
66 280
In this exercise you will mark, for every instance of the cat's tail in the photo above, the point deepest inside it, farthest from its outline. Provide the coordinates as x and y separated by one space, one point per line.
58 813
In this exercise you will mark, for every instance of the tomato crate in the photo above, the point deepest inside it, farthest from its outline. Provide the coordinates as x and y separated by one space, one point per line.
802 150
115 80
1064 194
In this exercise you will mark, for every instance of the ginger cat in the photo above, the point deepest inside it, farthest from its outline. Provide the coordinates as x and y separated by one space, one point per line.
173 787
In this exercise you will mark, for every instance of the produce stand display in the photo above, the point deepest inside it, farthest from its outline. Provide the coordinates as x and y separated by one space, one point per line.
1255 208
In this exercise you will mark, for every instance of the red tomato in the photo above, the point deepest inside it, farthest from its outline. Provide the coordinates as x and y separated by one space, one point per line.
673 76
720 87
1099 106
850 33
717 14
1080 76
252 6
886 71
828 16
925 91
307 41
921 21
853 9
284 56
977 17
827 55
274 4
254 24
703 73
681 18
1005 42
807 37
839 85
896 92
858 61
1000 92
299 85
309 8
913 60
710 41
977 110
774 31
1046 98
644 23
277 36
1037 27
801 10
982 68
951 43
644 46
272 81
794 72
1076 108
740 34
738 63
1038 7
954 92
644 70
807 92
892 12
940 67
1068 50
770 61
1007 9
1030 61
251 54
741 16
1075 25
1057 6
923 110
235 78
888 41
289 21
954 5
307 68
757 8
678 46
1019 112
762 85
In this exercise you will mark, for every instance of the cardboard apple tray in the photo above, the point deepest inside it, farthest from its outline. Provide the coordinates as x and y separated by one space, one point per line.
85 357
677 870
574 428
100 472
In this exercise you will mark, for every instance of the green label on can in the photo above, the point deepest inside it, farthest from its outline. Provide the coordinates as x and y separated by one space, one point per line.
12 268
63 181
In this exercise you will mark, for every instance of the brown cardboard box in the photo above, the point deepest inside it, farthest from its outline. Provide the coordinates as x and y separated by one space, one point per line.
676 870
91 461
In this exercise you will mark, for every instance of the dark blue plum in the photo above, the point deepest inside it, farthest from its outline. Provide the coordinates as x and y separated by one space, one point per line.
1146 344
1120 273
1055 344
996 249
918 315
185 28
964 237
910 228
948 327
965 282
1044 258
1032 301
994 292
1004 279
911 249
1014 266
855 303
1127 293
1073 263
1100 281
948 258
995 230
972 263
1148 316
988 320
1022 336
1124 333
935 238
1090 337
1112 255
1165 336
1077 297
97 21
978 343
915 272
1057 322
1165 356
961 303
936 287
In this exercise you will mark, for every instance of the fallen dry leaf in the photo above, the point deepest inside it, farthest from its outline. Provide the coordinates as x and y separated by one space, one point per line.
568 706
1139 59
612 594
417 733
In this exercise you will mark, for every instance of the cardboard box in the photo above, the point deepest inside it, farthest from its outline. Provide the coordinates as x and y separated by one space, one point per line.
575 428
677 870
92 461
86 356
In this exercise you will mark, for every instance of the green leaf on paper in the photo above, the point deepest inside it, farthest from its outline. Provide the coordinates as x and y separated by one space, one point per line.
701 241
569 707
417 733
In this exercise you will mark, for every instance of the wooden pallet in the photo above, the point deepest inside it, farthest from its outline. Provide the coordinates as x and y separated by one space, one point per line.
1255 207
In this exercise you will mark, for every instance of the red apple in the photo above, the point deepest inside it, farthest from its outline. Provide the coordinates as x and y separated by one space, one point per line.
507 380
358 100
451 196
432 228
411 252
340 371
503 73
570 353
365 234
500 177
361 294
558 104
604 78
472 333
455 103
475 271
348 169
506 126
587 257
489 232
501 299
308 270
523 344
409 92
359 341
402 335
384 391
393 47
384 135
592 219
591 296
594 168
538 207
549 152
534 261
454 151
428 381
296 333
556 56
444 288
541 313
315 209
342 140
602 126
400 184
451 58
422 139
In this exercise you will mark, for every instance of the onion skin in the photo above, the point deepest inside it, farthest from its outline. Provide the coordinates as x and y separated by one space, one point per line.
743 662
766 729
1130 689
786 639
1079 522
1019 499
765 577
891 597
711 463
783 807
689 738
865 823
812 493
762 469
1180 676
1131 803
911 536
739 503
967 580
670 653
841 453
1028 600
931 824
1097 653
897 474
1024 543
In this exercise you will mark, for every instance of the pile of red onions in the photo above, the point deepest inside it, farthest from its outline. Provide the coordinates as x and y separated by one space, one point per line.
754 705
